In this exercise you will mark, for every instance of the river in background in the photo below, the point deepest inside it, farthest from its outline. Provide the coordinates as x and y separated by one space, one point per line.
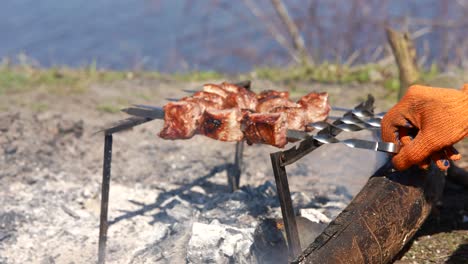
182 35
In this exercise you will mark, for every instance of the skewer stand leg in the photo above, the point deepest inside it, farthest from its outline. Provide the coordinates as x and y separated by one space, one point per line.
287 210
235 170
106 173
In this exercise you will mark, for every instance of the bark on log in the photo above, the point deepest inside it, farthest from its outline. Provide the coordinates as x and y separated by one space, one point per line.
405 56
380 220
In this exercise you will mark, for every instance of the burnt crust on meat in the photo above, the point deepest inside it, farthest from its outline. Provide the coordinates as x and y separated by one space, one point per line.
224 125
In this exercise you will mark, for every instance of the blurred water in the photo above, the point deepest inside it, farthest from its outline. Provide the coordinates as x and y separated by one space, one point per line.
181 34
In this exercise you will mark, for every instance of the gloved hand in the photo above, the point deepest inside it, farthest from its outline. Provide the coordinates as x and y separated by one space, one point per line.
437 118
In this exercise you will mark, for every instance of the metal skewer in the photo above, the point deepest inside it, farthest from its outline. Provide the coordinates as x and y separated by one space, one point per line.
354 120
345 127
353 143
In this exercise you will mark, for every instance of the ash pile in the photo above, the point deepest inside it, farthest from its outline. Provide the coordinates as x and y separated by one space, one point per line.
169 201
239 227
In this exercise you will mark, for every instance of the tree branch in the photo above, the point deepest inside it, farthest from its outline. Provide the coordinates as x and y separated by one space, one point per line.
272 30
298 41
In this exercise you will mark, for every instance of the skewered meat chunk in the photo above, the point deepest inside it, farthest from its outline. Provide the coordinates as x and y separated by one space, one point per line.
272 94
295 117
269 103
231 88
316 106
243 99
206 100
180 120
228 112
265 128
216 89
222 125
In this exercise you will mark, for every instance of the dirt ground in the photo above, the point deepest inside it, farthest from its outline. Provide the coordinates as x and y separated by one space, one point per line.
51 164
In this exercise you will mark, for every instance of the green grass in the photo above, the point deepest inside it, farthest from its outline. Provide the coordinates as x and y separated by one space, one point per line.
39 107
198 76
325 73
12 81
437 248
108 108
65 81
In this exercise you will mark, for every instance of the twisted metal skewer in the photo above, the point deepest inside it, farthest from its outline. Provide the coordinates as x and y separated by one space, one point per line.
359 143
351 124
352 142
344 127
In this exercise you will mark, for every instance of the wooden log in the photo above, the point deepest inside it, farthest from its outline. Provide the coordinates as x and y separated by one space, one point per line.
380 220
405 56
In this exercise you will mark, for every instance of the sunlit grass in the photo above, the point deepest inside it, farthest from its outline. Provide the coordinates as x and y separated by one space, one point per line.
65 81
38 106
69 81
198 76
108 108
61 81
326 73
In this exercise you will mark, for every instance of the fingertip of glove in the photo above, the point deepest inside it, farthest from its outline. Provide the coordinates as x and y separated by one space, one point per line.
465 88
400 164
443 164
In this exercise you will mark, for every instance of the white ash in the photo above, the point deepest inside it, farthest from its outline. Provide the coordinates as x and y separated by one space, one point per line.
161 191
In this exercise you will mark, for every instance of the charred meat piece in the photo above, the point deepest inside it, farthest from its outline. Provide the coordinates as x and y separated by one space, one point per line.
295 117
265 128
222 125
180 120
316 106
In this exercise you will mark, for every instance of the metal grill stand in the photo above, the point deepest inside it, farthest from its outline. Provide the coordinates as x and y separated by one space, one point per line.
106 173
234 172
281 159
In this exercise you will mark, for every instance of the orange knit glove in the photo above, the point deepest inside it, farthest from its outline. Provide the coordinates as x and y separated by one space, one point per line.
436 118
